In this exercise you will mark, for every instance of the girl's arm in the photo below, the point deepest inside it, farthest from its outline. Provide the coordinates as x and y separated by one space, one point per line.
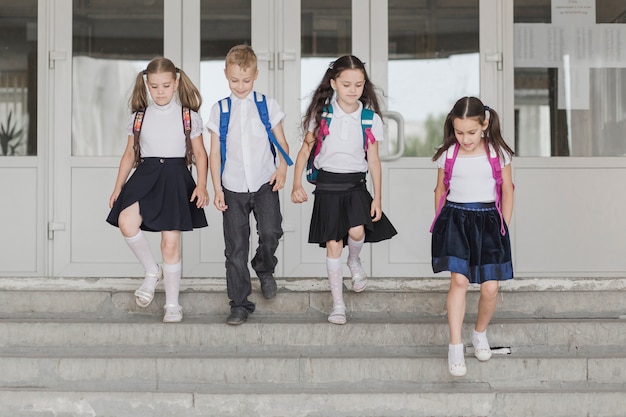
440 189
126 165
215 166
199 153
298 195
507 194
280 176
373 162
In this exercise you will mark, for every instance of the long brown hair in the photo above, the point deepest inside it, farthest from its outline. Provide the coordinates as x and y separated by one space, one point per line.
472 107
324 92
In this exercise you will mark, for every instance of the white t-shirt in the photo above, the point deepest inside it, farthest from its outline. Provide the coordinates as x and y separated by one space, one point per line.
162 134
249 159
472 180
342 150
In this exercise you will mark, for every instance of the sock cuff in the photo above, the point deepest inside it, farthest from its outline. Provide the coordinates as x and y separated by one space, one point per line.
172 267
333 263
357 241
133 238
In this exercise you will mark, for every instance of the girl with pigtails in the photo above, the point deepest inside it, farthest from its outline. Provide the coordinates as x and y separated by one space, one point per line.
164 139
474 205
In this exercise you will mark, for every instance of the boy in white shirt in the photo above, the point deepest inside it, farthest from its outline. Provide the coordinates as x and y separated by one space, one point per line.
247 176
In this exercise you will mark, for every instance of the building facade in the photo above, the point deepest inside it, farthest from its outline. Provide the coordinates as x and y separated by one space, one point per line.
555 70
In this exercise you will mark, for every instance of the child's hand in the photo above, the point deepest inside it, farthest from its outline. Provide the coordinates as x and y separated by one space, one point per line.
201 195
113 198
376 211
278 179
219 202
298 195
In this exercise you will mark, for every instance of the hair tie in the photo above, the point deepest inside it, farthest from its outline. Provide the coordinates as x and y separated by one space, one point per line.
144 72
178 70
331 65
487 112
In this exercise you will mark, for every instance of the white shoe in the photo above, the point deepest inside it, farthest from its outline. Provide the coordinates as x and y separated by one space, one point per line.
482 351
338 315
456 366
173 313
359 276
143 296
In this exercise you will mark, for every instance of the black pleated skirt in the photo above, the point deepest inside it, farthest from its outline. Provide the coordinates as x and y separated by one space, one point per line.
342 201
163 187
466 239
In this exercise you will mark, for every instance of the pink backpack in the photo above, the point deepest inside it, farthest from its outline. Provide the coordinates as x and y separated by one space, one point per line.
496 170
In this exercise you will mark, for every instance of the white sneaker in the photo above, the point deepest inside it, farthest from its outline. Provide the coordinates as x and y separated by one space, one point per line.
456 366
338 315
173 313
359 276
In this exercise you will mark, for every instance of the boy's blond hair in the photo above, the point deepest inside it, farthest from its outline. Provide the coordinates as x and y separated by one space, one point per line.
241 55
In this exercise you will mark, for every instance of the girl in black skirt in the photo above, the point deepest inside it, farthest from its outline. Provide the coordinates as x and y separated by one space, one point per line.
470 234
344 212
161 195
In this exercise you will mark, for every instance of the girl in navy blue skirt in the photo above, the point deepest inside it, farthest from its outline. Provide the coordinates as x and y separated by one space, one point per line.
344 212
470 236
161 195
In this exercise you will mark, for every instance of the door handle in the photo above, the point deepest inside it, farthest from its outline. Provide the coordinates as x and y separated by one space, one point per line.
397 117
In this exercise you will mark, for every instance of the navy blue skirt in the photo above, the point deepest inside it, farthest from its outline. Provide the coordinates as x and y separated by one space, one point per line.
466 239
163 187
342 201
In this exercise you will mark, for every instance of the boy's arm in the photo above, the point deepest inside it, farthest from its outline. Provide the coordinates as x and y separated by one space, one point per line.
215 167
280 176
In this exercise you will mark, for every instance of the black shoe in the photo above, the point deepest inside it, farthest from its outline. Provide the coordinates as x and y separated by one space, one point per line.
268 287
237 316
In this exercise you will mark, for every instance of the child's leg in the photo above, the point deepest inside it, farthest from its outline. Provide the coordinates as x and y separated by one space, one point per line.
456 306
335 279
486 308
456 313
356 239
129 223
172 273
266 210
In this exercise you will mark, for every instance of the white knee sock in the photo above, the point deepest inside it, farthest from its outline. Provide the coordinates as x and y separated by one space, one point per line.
335 278
171 281
140 246
354 249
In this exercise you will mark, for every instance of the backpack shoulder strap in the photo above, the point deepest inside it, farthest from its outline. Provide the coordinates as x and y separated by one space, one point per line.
447 175
367 121
224 106
496 171
139 114
261 104
186 112
322 132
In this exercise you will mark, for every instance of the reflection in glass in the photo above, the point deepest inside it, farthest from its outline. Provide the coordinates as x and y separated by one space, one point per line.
571 101
112 41
326 35
18 78
223 24
433 61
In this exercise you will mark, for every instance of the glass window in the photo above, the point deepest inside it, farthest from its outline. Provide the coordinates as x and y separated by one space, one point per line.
570 78
433 61
224 24
326 34
18 77
112 41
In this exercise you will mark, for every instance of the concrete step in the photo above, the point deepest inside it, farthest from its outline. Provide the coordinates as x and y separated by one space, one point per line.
390 401
385 297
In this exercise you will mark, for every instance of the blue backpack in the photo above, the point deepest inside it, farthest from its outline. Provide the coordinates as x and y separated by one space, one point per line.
261 104
367 119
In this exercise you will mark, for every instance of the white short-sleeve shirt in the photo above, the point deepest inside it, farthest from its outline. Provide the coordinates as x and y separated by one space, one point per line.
162 134
342 150
249 159
472 180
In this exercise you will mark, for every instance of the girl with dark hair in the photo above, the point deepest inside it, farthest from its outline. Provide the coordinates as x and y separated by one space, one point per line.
344 212
470 236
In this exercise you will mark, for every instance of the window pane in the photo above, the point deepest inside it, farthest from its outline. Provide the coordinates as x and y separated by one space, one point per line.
570 78
433 61
224 24
18 77
112 41
326 35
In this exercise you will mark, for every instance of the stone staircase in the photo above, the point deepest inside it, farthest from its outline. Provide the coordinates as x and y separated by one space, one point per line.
80 347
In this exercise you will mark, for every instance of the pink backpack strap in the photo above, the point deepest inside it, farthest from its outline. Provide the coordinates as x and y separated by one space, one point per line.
496 170
447 175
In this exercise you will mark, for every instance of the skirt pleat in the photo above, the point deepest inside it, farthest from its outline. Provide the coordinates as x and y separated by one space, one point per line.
341 202
163 187
466 239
